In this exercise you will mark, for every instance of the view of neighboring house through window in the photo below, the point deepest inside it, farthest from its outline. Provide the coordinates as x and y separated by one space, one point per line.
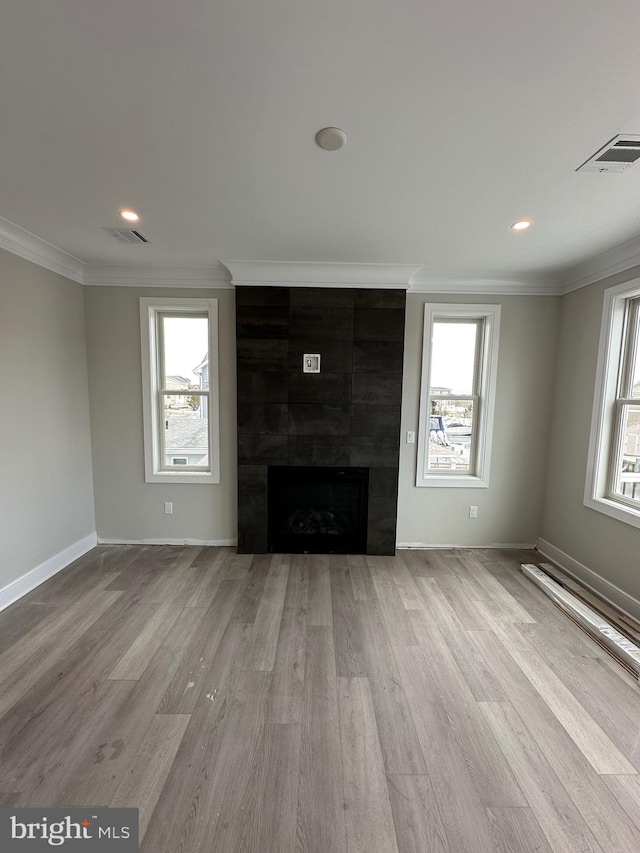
180 438
613 471
458 392
183 398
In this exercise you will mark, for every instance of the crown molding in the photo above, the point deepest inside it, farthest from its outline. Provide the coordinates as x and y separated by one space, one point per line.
412 277
26 245
620 258
117 275
306 274
425 281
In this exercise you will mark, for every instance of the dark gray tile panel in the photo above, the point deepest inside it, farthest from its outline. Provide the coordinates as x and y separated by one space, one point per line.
322 450
320 388
378 451
328 323
322 297
265 355
252 509
262 296
262 449
383 482
260 418
377 357
375 420
259 387
319 419
381 527
378 324
368 298
376 389
262 321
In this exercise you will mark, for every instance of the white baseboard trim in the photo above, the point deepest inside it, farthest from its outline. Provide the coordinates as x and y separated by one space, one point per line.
220 543
608 591
22 585
509 546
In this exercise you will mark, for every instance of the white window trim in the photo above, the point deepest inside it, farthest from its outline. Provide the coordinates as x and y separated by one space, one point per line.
149 307
488 380
602 421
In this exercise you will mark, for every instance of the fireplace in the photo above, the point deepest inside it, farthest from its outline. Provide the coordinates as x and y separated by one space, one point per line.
312 510
319 386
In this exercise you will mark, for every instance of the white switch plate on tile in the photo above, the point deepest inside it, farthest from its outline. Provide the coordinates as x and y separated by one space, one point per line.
311 362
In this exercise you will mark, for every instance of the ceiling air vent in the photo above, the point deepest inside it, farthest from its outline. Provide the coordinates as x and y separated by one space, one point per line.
127 235
616 156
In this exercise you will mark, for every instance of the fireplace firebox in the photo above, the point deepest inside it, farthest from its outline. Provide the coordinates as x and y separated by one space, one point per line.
313 510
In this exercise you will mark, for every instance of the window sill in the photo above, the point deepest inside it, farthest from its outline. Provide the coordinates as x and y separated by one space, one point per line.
461 482
182 477
621 512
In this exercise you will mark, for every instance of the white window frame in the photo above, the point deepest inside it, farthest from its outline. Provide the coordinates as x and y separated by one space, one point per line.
605 418
150 309
486 386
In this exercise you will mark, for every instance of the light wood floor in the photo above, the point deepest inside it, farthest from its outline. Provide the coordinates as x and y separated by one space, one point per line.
435 701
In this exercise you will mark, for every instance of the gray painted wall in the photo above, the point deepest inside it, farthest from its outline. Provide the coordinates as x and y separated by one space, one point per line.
46 488
605 545
126 506
509 510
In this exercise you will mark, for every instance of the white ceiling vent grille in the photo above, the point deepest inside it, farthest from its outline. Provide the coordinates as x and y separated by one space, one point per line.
616 156
128 235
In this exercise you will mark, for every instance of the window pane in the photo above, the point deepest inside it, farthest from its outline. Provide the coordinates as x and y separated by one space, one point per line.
186 352
453 357
635 366
186 431
451 432
628 467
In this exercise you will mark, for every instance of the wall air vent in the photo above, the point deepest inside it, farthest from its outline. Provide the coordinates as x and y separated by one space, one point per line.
616 156
127 235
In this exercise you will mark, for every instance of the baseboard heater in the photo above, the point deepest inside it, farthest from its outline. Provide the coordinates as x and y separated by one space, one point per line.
620 647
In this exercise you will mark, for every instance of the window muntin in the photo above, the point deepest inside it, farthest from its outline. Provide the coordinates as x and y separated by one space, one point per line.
459 368
179 356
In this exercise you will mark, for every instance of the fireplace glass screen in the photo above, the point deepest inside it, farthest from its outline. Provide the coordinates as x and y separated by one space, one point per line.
317 510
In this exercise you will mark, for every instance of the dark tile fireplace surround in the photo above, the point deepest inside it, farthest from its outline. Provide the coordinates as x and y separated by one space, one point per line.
345 417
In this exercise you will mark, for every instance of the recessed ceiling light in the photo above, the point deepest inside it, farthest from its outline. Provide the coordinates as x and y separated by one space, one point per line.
331 138
129 215
521 225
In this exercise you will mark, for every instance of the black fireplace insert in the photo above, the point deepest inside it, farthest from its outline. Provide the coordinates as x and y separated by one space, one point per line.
317 510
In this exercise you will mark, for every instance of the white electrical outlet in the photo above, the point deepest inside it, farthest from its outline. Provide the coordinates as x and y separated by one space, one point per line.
473 512
411 437
168 508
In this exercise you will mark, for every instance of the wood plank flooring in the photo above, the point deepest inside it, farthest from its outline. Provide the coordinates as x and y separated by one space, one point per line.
435 701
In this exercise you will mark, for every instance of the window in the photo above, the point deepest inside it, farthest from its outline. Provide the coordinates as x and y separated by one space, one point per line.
180 390
457 397
613 469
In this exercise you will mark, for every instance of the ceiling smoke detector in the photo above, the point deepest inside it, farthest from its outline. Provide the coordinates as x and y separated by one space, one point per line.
618 154
331 138
128 235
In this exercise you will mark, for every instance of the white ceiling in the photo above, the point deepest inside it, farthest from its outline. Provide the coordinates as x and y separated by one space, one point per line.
201 114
